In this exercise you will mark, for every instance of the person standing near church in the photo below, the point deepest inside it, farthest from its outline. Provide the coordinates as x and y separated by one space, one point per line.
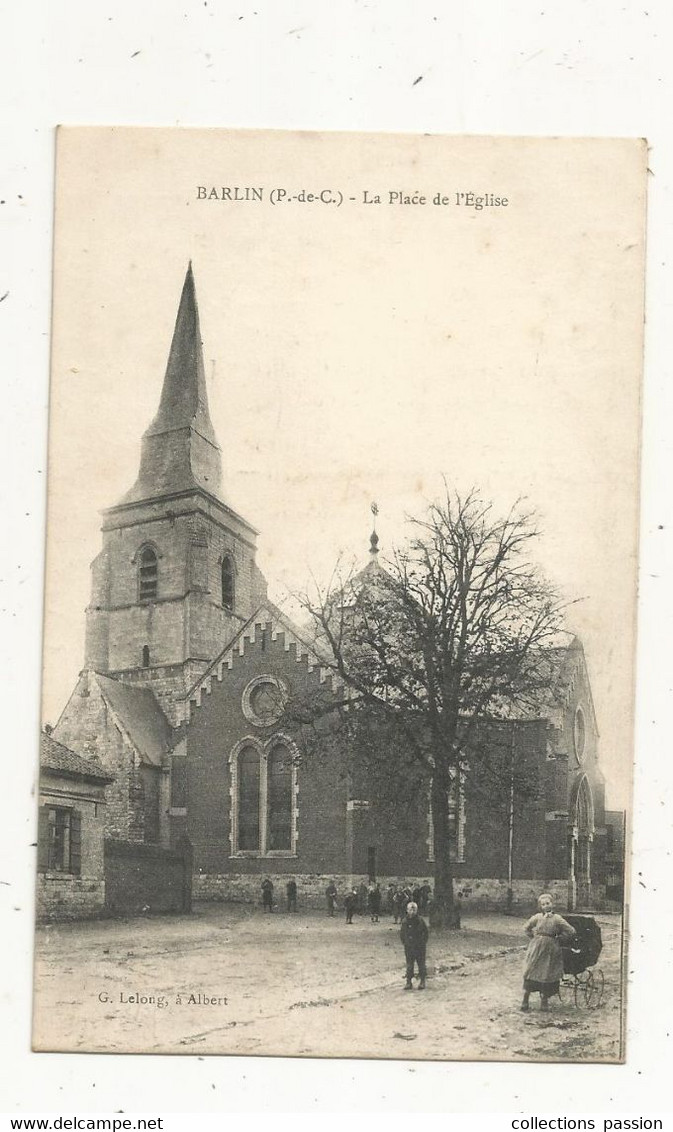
548 933
399 904
362 893
374 902
390 899
291 890
267 895
331 894
350 904
414 936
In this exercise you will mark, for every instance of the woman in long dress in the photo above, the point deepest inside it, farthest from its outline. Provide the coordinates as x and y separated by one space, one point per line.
544 958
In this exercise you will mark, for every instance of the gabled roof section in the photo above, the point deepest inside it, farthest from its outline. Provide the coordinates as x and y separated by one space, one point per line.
139 716
58 759
560 667
267 615
572 666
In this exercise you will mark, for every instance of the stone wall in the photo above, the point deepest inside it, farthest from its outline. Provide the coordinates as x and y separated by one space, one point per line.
87 728
187 619
473 894
63 897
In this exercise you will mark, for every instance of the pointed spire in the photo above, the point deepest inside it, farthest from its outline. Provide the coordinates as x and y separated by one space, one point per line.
179 449
184 399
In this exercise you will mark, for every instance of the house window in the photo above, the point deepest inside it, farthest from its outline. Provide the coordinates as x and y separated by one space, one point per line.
148 575
264 797
249 780
279 798
228 587
59 840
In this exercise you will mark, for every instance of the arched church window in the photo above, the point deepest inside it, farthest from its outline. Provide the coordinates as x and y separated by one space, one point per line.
249 777
579 734
228 583
584 808
279 798
148 575
146 656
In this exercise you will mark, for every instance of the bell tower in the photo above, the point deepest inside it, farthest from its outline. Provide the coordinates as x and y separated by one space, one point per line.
176 576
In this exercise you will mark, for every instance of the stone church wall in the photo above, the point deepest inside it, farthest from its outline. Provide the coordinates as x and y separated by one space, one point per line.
87 728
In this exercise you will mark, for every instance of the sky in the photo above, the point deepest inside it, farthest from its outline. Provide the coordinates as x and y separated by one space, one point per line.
360 351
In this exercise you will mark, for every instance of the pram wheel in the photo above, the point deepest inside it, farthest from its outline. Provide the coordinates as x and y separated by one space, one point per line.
589 987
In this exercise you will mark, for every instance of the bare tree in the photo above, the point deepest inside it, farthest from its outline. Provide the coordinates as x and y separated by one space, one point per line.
438 654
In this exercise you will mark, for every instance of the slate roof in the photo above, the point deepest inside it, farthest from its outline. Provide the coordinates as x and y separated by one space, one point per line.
138 711
57 758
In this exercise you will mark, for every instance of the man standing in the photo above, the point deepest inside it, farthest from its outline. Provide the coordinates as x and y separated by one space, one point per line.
331 894
350 904
374 902
362 898
291 890
267 895
414 936
399 904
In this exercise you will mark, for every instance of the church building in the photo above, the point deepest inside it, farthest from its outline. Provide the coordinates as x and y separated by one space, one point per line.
178 700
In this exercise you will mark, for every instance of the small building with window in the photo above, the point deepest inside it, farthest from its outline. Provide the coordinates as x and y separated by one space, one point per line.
71 826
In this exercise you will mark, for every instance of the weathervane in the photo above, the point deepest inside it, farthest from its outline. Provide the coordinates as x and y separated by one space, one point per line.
374 538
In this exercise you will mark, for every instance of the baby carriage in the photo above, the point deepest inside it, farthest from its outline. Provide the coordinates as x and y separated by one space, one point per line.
582 981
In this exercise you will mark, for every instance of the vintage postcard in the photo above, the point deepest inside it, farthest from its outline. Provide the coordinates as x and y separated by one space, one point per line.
340 596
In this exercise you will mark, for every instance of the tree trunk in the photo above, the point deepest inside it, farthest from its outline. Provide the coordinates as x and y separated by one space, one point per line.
445 911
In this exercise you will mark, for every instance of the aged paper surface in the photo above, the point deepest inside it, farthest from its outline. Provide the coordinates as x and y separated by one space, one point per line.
382 317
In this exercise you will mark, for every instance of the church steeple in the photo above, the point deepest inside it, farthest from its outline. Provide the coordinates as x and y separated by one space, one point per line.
179 449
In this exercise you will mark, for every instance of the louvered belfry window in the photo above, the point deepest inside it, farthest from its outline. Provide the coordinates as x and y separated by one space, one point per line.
149 574
228 587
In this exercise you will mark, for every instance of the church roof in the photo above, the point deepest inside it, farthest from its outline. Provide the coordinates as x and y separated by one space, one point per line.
179 449
56 757
141 717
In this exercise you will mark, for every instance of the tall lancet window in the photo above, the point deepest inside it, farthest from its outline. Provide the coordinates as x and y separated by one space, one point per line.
148 574
279 798
228 583
249 780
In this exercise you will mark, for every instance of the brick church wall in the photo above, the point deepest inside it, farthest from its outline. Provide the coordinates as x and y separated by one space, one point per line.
215 727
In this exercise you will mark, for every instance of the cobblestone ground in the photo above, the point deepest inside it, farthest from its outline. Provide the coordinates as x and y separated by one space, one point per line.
229 979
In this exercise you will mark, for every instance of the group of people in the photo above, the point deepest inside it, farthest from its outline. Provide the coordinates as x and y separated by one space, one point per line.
290 895
362 899
371 900
548 931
